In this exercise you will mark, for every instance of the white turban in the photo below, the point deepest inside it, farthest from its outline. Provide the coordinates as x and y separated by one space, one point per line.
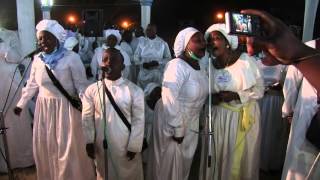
53 27
232 40
70 43
108 32
149 88
183 39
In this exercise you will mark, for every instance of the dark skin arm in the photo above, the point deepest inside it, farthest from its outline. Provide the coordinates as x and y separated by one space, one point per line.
281 47
224 96
17 111
150 64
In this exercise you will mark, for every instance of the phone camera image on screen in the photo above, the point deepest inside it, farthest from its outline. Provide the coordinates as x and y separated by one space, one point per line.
242 24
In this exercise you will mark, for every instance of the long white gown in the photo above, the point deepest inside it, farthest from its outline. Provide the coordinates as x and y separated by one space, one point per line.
19 132
184 91
128 49
58 140
274 130
245 78
151 50
300 98
130 99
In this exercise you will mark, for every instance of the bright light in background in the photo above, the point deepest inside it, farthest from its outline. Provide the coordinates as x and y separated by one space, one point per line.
220 16
71 19
125 24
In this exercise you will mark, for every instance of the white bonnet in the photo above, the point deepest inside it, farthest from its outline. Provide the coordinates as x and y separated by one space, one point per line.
53 27
70 43
183 39
233 40
108 32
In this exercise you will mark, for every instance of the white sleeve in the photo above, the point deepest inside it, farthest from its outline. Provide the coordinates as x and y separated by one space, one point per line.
94 64
291 88
166 54
137 55
79 76
173 80
31 88
257 90
137 122
88 107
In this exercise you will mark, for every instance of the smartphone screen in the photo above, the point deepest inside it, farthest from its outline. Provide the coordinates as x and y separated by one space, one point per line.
242 24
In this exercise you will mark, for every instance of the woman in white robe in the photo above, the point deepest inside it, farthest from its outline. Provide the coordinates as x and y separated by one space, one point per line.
274 130
113 38
176 123
121 141
58 140
301 99
237 84
19 132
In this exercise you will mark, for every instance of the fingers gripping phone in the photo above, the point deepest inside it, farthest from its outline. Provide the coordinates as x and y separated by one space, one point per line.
242 24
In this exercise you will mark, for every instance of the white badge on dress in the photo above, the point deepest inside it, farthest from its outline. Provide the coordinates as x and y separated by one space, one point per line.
223 78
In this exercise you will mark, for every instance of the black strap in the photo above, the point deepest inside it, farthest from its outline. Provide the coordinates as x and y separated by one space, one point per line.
74 102
115 106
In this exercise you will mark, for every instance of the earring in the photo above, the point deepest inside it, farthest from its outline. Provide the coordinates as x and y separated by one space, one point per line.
228 46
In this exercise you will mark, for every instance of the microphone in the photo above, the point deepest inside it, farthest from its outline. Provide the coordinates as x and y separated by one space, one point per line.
30 55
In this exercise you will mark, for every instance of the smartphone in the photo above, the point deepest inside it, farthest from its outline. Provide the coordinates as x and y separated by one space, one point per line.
242 24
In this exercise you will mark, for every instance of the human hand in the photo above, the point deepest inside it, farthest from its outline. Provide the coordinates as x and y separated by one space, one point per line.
227 96
178 139
90 150
130 155
154 63
279 44
216 99
17 111
146 65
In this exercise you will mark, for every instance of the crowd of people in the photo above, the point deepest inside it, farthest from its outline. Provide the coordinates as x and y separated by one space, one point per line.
123 108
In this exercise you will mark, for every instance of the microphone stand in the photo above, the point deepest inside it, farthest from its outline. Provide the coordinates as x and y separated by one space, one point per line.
104 118
3 113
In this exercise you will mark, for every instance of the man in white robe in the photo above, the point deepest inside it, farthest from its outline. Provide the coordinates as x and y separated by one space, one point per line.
113 38
124 146
151 54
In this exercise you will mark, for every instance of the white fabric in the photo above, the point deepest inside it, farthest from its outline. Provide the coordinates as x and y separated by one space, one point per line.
151 50
183 39
127 48
274 130
130 99
19 132
53 27
116 33
10 48
70 43
233 40
184 91
245 78
58 140
135 41
300 152
85 50
97 61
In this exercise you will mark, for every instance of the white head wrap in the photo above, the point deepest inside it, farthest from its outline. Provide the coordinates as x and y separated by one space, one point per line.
108 32
232 40
183 39
149 88
70 43
53 27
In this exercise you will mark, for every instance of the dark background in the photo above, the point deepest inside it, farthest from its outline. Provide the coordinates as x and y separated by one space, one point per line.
169 15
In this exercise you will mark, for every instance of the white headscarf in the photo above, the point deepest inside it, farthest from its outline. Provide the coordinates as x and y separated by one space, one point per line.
233 40
149 88
108 32
70 43
53 27
183 39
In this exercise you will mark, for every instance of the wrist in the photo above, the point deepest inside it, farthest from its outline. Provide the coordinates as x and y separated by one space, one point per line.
304 53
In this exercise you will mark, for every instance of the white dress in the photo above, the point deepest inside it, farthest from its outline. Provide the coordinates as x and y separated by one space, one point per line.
127 48
130 99
151 50
245 78
19 132
302 97
184 91
274 130
58 140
